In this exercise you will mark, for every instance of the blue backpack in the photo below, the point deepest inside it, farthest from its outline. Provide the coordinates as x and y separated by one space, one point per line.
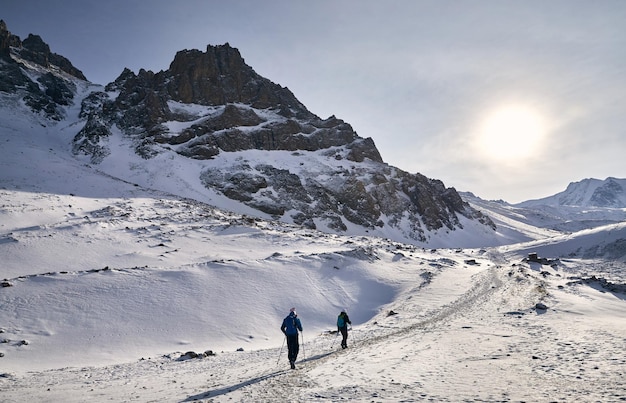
340 321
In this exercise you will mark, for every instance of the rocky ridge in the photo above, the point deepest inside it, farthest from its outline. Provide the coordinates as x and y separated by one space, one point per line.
50 85
211 104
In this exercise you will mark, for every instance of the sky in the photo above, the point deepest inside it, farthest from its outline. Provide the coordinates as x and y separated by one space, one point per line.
509 100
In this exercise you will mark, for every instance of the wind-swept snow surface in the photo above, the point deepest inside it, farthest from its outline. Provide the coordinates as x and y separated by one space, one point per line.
106 296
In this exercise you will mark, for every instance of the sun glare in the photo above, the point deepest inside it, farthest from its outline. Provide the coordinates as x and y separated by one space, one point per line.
511 133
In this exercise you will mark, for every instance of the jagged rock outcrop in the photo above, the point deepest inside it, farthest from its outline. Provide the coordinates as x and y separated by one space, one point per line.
50 91
36 50
7 40
221 79
235 109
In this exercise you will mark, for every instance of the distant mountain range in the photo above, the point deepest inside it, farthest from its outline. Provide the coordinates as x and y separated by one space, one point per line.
610 193
211 129
589 203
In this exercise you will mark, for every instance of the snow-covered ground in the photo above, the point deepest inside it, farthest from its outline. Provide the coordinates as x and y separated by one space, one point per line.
107 284
106 299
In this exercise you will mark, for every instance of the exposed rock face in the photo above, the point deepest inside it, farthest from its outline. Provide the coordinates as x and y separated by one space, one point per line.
220 76
50 91
36 50
235 109
217 78
7 40
371 196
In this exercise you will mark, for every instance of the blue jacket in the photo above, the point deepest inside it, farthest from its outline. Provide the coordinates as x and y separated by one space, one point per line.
291 324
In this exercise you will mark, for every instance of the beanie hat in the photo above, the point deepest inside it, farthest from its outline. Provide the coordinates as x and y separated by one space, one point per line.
292 310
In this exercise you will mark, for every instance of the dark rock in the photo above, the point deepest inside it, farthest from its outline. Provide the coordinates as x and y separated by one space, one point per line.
391 313
7 40
45 93
189 355
34 49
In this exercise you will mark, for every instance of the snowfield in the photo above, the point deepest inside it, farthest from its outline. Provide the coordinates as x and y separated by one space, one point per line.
113 290
107 295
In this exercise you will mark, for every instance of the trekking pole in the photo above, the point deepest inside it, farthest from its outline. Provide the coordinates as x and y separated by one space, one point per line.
303 352
281 350
333 343
353 338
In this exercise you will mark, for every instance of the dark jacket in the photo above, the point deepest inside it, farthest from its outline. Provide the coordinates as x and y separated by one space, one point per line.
291 324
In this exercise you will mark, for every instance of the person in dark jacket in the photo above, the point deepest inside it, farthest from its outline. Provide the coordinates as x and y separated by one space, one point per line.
342 326
291 325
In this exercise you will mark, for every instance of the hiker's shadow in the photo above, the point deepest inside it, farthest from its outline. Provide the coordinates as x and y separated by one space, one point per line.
316 357
232 388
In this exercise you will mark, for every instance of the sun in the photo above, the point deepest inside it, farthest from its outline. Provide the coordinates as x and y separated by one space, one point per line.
511 133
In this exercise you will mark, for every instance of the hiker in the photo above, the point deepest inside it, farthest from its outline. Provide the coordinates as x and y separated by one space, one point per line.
342 326
291 325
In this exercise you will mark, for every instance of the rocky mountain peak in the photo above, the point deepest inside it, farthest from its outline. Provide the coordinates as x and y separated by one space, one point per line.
47 89
35 50
7 40
236 100
220 76
213 108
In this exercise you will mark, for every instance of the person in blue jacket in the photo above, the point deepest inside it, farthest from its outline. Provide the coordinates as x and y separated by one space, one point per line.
342 326
291 325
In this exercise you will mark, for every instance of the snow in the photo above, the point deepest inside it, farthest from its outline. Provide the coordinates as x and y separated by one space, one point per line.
109 282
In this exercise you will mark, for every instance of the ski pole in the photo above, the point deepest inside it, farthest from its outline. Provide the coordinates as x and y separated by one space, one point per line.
281 350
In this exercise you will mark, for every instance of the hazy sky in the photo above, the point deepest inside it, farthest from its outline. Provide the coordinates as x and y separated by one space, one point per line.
507 99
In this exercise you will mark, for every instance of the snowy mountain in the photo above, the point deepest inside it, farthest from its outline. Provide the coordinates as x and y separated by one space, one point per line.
128 278
586 204
609 193
219 133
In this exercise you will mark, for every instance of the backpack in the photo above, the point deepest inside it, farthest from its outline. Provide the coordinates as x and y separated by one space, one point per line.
340 321
290 324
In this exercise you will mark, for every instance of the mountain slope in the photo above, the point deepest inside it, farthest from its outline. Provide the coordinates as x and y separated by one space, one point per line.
212 129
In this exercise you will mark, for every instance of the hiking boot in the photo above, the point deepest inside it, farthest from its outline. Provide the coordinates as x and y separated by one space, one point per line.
293 364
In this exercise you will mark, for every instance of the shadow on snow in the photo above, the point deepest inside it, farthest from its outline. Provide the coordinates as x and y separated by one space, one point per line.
228 389
232 388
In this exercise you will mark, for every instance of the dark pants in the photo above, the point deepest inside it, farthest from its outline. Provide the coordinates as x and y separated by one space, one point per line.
292 346
344 334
